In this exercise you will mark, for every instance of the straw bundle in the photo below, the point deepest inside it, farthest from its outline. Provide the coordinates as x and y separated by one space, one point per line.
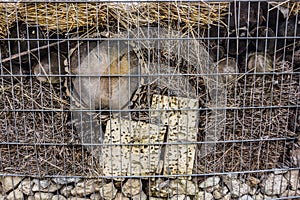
62 17
178 15
7 17
66 17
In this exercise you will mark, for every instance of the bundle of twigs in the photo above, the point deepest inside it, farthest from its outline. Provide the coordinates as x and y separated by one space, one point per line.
37 137
257 131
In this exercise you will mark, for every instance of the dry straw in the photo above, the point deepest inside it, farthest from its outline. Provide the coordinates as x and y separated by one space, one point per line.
66 17
8 15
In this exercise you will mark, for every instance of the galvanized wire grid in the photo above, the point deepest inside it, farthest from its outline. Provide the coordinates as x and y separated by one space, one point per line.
125 99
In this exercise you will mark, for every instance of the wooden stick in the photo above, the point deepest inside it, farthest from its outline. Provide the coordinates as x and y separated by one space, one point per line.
32 50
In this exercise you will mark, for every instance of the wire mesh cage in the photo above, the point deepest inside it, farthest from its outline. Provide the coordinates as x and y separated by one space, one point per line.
149 100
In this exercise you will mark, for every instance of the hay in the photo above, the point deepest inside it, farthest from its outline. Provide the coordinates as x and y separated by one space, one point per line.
67 17
7 17
63 17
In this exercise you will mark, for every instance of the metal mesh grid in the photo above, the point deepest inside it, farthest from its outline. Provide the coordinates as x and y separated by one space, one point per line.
137 100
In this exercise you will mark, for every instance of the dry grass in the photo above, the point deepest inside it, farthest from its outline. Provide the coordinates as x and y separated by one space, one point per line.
67 17
8 14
